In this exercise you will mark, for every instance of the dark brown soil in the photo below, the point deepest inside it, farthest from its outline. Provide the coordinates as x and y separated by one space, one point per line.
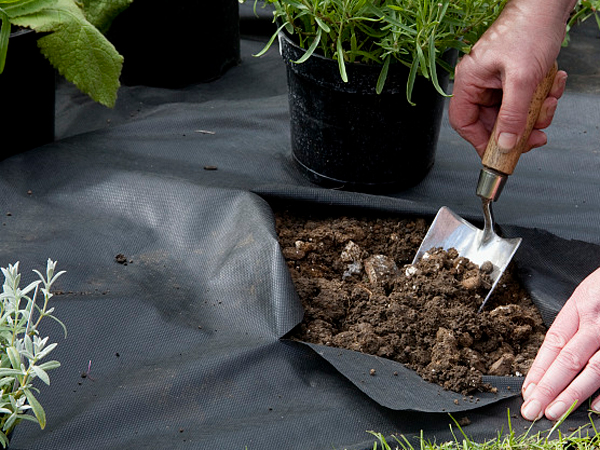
360 292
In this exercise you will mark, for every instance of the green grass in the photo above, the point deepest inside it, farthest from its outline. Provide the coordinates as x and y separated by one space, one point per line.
584 438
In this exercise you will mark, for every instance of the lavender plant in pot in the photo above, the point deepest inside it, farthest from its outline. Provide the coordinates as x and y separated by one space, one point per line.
367 83
38 36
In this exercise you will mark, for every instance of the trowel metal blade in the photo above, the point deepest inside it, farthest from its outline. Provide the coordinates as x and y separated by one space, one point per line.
449 230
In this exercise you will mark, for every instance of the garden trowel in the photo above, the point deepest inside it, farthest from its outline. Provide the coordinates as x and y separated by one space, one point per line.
449 230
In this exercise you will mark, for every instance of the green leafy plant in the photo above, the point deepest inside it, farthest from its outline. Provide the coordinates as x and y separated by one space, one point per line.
22 348
72 41
583 10
415 33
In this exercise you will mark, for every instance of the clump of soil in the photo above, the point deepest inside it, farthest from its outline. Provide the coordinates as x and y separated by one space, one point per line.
361 292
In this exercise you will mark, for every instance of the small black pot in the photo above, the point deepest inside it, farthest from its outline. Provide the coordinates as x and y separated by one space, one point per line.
28 86
200 43
346 136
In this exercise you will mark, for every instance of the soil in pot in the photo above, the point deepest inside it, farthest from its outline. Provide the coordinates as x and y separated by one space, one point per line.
360 292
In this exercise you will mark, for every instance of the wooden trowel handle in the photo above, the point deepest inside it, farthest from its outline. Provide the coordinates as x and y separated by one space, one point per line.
505 160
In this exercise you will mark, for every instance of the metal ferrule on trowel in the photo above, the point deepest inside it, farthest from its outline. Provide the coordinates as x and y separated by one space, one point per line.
489 187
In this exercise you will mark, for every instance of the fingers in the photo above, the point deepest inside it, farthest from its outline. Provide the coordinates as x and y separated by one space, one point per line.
474 104
563 329
547 112
555 393
537 139
558 87
474 109
518 91
580 389
567 367
512 115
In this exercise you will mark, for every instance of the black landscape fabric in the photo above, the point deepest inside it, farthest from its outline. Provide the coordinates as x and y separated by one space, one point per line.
183 337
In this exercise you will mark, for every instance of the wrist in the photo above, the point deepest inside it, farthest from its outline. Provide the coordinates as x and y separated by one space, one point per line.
545 13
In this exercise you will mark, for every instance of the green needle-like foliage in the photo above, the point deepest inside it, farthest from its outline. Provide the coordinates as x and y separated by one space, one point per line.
584 9
415 33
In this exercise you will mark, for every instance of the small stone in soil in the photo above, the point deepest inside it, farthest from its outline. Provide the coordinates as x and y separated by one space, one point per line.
487 267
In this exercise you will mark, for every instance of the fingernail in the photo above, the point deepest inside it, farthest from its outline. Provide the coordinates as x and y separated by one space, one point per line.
563 81
596 405
531 410
507 141
528 391
556 410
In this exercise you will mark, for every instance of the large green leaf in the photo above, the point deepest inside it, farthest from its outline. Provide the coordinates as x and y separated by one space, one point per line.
77 49
101 13
22 7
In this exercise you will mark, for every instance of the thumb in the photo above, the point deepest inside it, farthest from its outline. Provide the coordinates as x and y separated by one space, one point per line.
522 99
512 116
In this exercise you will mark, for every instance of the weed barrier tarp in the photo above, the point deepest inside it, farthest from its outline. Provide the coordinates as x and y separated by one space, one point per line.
184 341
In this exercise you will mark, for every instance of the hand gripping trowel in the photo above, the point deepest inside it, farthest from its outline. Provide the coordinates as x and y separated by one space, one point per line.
449 230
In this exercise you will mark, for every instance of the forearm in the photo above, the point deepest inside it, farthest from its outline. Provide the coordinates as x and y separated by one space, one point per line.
526 32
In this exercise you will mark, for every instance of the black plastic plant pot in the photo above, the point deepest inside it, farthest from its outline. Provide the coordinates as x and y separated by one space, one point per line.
28 86
346 136
188 42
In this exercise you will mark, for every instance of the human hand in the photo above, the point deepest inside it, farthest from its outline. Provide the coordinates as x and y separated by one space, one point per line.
496 81
567 366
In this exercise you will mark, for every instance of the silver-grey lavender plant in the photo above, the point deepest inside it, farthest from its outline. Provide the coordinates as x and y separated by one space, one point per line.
22 347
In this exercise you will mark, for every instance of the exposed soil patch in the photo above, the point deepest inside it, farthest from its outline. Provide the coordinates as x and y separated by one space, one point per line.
360 292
